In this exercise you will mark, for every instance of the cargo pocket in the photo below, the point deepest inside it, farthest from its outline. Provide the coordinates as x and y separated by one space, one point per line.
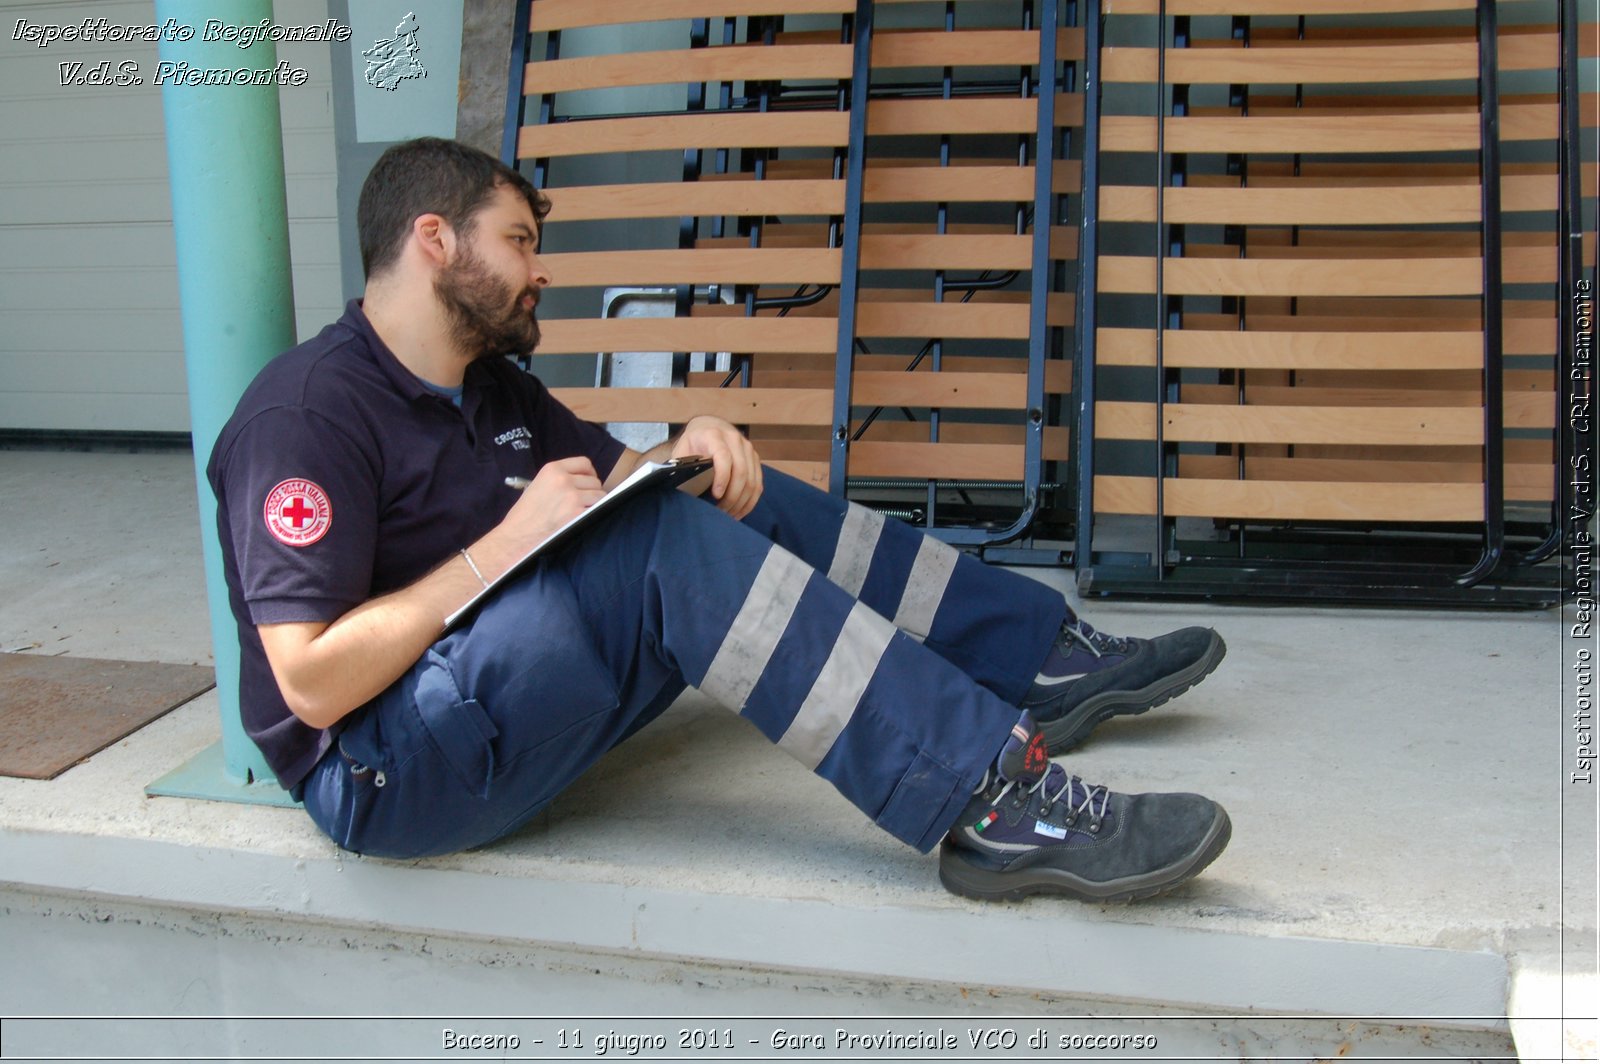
927 793
459 727
343 788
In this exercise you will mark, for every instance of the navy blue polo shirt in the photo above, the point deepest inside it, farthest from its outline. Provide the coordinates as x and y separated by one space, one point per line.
342 476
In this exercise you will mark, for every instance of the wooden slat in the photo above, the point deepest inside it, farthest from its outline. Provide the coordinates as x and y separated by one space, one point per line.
1456 313
1070 43
775 372
798 129
1064 243
948 184
936 461
1283 7
1521 47
1291 501
815 234
793 370
742 406
1185 423
1529 193
785 167
1069 110
1530 118
971 391
1309 133
728 63
1521 409
1059 306
652 267
1522 336
935 252
1526 257
1301 277
1297 64
551 15
1526 451
1066 178
1055 441
936 48
1054 448
1383 172
1519 380
678 199
1205 349
920 117
1522 118
1525 265
892 48
1523 482
1534 48
743 335
1308 242
977 321
1372 205
1518 191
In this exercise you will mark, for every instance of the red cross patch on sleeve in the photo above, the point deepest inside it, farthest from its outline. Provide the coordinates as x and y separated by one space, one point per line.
298 512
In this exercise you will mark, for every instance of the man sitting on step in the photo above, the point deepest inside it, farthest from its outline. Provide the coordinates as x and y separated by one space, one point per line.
363 498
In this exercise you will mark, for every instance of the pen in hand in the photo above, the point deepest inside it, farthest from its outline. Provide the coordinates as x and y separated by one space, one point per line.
521 483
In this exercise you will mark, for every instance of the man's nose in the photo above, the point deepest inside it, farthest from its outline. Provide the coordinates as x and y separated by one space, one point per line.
539 273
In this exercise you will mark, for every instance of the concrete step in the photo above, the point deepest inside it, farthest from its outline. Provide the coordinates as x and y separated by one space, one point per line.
187 980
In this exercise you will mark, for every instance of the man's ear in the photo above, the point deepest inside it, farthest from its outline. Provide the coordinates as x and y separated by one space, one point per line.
434 238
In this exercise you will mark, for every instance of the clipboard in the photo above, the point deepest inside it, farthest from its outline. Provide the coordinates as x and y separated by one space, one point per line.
648 476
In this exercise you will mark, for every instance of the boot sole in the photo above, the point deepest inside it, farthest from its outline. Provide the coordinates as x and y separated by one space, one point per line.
968 880
1073 728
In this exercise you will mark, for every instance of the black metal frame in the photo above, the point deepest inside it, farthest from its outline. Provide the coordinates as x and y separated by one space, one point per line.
1575 448
516 103
1000 532
1378 564
850 253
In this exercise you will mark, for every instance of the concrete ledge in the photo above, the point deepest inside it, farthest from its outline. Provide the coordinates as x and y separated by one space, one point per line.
1018 948
191 983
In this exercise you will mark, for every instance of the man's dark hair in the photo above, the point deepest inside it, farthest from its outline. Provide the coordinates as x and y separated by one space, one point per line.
429 176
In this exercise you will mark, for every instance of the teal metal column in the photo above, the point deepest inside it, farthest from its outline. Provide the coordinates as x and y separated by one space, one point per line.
230 219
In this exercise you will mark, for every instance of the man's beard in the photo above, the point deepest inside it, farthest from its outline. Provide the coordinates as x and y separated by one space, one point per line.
486 318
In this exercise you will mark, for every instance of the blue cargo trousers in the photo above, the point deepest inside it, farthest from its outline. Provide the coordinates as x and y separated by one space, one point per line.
881 659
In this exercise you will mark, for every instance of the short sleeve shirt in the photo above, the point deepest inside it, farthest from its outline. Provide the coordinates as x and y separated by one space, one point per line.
342 476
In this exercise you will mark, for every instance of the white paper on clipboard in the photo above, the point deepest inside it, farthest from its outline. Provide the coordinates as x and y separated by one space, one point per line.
647 476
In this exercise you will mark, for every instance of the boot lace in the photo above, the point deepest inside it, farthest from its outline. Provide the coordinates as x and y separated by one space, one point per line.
1098 643
1055 786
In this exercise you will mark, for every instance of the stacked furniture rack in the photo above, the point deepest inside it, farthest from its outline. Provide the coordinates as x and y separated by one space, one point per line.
1207 297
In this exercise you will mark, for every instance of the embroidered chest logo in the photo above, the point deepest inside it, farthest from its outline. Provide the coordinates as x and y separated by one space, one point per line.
298 512
519 438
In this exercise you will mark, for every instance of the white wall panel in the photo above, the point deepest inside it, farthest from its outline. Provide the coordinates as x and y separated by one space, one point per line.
90 334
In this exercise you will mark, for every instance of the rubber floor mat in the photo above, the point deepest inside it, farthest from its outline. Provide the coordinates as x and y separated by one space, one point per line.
54 712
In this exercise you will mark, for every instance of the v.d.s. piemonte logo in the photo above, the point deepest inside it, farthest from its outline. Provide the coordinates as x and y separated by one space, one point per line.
389 62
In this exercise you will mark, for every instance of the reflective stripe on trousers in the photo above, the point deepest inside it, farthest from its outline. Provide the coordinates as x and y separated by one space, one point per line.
881 659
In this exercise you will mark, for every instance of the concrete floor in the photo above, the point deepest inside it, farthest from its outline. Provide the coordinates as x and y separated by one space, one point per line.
1406 843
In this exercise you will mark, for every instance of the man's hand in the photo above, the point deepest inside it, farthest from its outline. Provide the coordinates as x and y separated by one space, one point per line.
736 471
560 491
